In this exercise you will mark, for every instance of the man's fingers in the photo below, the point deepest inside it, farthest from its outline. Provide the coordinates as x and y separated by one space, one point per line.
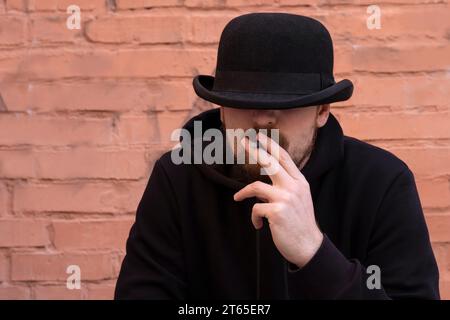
280 154
262 158
260 211
258 189
271 166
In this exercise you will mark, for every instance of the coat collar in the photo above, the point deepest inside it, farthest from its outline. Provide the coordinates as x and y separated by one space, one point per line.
327 151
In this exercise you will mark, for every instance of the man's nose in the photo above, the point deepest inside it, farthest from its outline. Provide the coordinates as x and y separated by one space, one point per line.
265 118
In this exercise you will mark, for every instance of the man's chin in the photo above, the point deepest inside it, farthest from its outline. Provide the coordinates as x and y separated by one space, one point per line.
252 173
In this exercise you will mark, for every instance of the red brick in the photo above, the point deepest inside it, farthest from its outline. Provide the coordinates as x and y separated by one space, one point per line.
168 122
442 254
52 267
425 161
101 96
207 28
143 63
121 257
85 5
57 292
14 292
439 226
444 287
9 65
52 5
90 197
42 5
406 21
370 2
440 250
171 95
88 163
4 197
434 193
141 29
91 234
143 4
399 91
53 29
245 3
447 265
401 58
26 129
366 126
12 30
80 162
20 5
342 60
92 163
101 291
4 267
298 2
17 164
205 3
138 129
23 233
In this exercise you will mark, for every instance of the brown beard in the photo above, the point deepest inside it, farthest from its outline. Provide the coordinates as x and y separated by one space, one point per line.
252 172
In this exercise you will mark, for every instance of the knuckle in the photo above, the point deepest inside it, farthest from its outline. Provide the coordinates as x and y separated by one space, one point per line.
255 209
286 196
256 186
277 213
284 155
279 207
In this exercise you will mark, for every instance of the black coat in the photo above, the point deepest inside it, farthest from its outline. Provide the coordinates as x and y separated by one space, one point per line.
192 240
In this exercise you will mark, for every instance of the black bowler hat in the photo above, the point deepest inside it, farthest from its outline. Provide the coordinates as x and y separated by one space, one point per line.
273 61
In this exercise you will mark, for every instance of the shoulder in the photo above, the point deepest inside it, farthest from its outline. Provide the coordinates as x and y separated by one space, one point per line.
166 163
177 173
364 159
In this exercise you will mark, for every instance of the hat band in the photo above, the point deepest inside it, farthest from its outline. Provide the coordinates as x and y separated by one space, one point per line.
271 82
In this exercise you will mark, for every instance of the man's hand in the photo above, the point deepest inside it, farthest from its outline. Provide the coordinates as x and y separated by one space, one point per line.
287 203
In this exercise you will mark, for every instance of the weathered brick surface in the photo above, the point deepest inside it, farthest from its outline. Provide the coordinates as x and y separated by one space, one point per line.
85 113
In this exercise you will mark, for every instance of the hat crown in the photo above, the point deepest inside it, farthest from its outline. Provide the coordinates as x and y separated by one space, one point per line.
271 60
275 42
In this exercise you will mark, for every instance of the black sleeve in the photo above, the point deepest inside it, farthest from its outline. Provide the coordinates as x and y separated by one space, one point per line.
153 264
399 246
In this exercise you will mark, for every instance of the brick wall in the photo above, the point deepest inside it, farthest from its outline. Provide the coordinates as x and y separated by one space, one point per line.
84 114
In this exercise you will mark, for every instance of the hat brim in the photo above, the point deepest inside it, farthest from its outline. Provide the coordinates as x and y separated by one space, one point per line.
203 85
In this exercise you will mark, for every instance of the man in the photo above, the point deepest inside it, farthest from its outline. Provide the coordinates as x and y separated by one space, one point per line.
338 219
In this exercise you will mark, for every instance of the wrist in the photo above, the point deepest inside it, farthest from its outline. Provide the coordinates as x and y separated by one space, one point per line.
310 250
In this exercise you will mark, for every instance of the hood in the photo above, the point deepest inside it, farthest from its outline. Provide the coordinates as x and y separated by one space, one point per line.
327 151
